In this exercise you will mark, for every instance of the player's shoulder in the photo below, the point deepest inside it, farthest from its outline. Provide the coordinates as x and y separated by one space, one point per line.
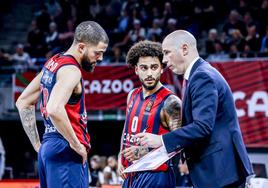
73 69
173 97
132 92
172 101
69 72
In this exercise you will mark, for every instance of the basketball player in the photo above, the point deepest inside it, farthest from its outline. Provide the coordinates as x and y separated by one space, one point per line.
150 108
62 156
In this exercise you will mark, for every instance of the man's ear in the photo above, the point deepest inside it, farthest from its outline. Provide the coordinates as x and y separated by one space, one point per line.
136 69
81 48
185 49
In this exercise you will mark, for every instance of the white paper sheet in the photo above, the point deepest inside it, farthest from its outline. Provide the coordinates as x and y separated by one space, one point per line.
151 160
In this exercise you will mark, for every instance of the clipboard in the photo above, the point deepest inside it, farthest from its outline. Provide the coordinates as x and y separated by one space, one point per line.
151 160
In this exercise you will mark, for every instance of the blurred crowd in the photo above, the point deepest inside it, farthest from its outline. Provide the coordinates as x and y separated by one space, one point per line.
103 170
224 28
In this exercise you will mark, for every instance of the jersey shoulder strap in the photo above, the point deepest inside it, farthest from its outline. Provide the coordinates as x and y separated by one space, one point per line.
59 60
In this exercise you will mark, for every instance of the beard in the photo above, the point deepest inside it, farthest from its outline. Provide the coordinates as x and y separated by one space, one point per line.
150 87
86 64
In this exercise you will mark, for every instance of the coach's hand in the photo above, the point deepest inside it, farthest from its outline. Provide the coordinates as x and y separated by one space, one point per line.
81 150
149 140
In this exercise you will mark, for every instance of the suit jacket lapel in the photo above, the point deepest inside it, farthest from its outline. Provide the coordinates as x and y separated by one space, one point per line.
195 66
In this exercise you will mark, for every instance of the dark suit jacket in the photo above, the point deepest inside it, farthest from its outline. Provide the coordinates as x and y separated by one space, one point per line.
210 133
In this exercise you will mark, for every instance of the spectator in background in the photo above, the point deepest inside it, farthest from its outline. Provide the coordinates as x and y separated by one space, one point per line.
264 42
242 6
111 12
204 10
110 172
171 26
43 19
134 35
248 18
123 23
247 52
237 39
70 27
212 38
103 164
53 9
253 37
96 10
234 22
66 37
95 171
219 52
36 41
155 13
117 56
262 14
189 15
4 57
167 13
137 33
2 159
21 59
233 51
52 37
155 30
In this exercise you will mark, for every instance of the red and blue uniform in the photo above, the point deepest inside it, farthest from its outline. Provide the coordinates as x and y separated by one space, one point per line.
143 115
59 165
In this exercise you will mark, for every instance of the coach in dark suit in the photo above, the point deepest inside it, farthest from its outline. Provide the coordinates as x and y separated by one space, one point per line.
210 135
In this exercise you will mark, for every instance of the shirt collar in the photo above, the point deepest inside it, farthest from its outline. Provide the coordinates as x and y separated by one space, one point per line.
189 68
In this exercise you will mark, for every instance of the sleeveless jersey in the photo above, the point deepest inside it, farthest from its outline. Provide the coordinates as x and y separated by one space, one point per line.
75 108
143 115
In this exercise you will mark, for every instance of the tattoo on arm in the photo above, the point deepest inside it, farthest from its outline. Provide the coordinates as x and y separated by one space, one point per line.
142 151
28 120
172 109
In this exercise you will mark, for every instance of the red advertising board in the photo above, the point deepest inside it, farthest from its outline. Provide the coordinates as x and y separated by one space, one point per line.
249 84
108 86
105 89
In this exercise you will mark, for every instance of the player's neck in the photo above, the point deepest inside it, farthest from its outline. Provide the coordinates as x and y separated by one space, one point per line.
72 51
147 92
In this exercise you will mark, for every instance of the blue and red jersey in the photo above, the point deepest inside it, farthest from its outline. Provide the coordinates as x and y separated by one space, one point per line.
143 115
75 107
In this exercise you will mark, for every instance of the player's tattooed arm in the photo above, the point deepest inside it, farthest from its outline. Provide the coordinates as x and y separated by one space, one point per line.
26 107
171 113
28 120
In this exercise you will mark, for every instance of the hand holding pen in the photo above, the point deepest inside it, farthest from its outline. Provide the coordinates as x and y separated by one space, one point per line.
149 140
